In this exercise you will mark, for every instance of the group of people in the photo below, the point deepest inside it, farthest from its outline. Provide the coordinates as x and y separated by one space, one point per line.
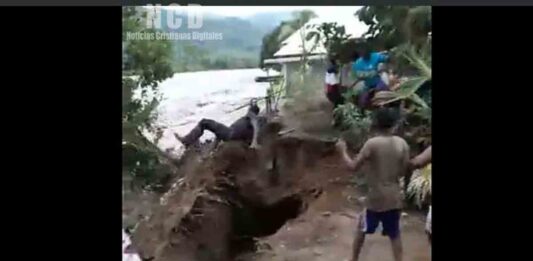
371 77
387 158
246 128
386 155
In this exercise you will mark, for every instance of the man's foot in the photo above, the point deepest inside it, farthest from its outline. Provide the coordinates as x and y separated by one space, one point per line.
182 140
283 132
178 137
255 146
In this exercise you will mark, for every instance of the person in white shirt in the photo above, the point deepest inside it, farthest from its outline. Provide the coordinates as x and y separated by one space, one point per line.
333 88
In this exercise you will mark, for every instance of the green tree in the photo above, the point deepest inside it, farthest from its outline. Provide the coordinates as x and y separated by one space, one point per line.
405 30
145 64
335 39
272 41
220 63
395 25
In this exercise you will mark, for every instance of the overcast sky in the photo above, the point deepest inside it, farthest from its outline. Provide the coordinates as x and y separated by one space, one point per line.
338 12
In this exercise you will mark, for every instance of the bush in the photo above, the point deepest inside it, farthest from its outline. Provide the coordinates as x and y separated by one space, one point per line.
419 188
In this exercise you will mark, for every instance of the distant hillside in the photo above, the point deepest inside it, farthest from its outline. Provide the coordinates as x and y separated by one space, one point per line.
269 20
240 46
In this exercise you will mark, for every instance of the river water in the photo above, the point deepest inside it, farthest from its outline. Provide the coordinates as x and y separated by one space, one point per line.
189 97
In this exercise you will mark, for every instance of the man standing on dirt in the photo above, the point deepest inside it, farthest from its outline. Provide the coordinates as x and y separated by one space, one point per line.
418 162
387 157
244 129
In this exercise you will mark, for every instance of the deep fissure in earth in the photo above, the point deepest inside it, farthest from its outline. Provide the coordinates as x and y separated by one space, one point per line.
251 221
249 198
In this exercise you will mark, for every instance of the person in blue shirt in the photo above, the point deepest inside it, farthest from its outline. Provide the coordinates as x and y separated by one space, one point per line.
366 69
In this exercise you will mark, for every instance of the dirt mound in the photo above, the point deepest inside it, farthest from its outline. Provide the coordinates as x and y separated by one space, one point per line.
233 197
290 200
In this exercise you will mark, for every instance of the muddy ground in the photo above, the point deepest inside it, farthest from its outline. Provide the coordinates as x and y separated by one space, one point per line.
290 200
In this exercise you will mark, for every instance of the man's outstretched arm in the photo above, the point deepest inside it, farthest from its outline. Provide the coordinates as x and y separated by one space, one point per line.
421 160
254 120
357 162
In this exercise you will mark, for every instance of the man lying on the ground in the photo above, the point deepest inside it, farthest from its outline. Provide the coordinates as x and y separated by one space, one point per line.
244 129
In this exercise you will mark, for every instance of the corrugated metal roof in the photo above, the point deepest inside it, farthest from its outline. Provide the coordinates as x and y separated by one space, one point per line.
293 59
293 45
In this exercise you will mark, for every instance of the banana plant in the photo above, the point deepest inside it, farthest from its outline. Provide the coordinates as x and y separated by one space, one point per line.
419 187
394 25
332 35
421 61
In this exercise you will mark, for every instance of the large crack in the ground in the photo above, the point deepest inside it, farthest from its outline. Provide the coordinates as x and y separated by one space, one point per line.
239 201
223 224
252 221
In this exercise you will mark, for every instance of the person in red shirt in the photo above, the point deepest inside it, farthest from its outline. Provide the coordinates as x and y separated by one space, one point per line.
333 88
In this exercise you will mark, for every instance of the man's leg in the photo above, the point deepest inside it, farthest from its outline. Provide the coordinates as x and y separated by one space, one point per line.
391 228
367 224
339 99
397 249
358 243
335 97
428 225
220 130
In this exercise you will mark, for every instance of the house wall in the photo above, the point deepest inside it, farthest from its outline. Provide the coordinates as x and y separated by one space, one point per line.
347 77
314 76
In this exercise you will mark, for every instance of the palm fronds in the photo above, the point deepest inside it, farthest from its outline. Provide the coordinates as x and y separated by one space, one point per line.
419 187
421 61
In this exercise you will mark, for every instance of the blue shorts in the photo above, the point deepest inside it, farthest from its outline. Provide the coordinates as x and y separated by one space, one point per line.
390 221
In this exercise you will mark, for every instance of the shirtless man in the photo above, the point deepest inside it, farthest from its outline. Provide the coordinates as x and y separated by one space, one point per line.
245 129
387 158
